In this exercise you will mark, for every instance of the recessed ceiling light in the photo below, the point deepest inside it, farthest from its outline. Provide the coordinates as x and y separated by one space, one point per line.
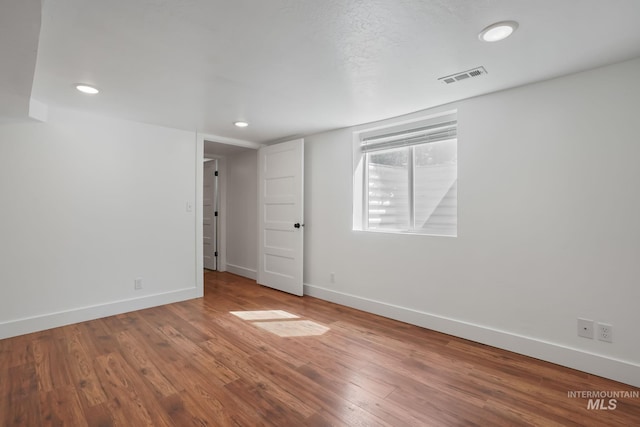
498 31
87 89
241 124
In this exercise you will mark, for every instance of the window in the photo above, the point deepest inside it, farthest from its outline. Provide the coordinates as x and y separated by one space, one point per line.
405 177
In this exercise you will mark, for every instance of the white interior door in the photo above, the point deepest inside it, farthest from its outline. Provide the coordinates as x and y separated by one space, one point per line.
280 216
209 215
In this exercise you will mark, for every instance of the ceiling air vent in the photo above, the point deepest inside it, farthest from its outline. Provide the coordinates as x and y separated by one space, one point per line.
474 72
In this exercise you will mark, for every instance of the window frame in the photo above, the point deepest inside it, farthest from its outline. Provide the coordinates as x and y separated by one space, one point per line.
361 178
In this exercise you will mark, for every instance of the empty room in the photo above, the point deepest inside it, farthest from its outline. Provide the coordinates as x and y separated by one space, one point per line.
319 213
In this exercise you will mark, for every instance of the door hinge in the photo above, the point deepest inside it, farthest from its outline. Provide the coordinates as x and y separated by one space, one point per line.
215 213
215 253
216 173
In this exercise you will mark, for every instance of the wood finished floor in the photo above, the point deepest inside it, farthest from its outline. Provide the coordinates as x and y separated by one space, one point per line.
195 364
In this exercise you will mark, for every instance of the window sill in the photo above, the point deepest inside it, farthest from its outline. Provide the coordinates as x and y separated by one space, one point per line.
403 232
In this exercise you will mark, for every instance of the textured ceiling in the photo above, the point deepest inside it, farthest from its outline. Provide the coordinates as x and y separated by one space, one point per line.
294 67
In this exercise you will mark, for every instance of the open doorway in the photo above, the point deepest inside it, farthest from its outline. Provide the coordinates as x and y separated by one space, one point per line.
232 234
210 203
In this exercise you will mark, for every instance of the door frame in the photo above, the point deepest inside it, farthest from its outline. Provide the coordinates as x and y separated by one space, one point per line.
222 198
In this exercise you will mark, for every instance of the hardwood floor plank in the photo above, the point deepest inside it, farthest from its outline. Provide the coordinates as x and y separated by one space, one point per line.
270 409
16 351
82 370
234 334
22 381
21 405
98 337
99 416
23 412
130 401
247 371
186 411
194 363
42 349
328 354
199 357
307 390
208 395
156 343
362 397
138 358
62 407
162 316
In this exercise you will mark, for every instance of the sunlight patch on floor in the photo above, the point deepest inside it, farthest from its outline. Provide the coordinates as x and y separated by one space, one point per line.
281 323
293 328
264 315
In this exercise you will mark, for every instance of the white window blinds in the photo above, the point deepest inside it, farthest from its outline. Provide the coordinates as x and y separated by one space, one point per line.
422 135
410 177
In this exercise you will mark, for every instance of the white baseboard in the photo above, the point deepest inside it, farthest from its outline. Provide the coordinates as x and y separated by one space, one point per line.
618 370
27 325
242 271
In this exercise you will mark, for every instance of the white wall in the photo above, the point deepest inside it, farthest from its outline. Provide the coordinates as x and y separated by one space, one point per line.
241 211
87 204
548 231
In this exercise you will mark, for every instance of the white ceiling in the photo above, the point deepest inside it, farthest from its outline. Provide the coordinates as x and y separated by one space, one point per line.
295 67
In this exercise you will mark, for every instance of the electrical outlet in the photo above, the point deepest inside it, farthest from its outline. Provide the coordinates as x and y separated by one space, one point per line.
605 332
585 328
137 284
333 277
